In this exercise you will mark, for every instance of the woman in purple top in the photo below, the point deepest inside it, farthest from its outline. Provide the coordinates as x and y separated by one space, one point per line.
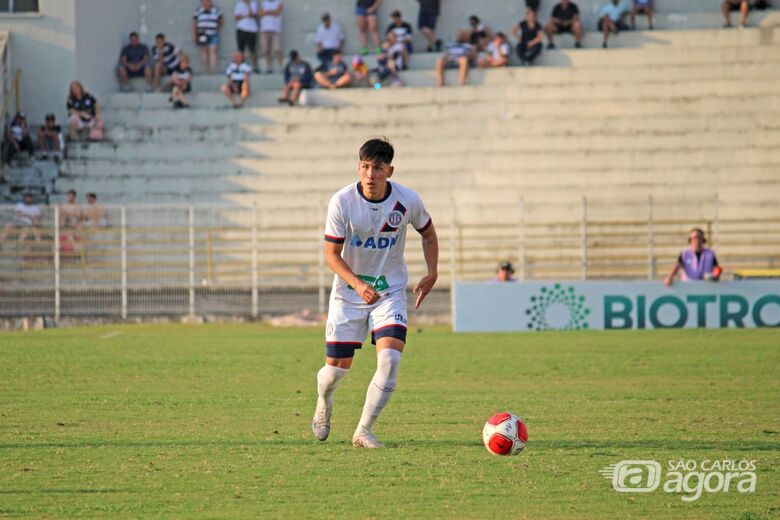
696 262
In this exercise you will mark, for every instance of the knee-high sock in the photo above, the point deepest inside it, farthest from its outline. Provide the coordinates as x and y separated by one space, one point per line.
382 386
328 378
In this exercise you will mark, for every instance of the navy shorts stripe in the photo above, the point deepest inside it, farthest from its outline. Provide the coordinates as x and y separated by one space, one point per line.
426 226
335 240
341 349
389 331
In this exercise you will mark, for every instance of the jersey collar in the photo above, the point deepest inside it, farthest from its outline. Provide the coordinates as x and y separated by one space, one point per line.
387 194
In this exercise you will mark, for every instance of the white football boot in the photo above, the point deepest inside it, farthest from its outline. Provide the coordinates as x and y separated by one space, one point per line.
365 439
320 424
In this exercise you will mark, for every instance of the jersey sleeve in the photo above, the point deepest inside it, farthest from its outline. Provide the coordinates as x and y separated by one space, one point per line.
419 217
335 223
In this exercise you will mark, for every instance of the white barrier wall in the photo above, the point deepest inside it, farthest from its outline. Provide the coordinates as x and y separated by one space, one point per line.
562 305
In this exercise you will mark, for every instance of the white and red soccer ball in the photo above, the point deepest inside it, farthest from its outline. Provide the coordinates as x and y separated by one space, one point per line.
505 434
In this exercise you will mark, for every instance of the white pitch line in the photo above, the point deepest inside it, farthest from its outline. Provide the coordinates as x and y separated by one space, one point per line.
109 335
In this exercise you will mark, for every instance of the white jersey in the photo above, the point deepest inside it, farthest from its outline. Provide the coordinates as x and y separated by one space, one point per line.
374 236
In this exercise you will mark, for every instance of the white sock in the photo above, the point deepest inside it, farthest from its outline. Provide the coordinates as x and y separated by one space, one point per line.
382 386
328 378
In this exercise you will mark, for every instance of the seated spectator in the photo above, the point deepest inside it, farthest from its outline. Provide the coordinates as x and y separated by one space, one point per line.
696 262
504 273
238 73
134 63
396 52
50 139
329 38
565 19
166 58
246 14
181 83
479 33
359 71
529 38
83 112
206 24
611 18
27 216
271 32
644 7
335 75
94 216
70 220
17 138
426 22
402 30
460 54
735 5
385 68
497 52
366 13
297 76
532 5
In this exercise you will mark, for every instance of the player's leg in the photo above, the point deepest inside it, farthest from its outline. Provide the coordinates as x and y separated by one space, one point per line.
344 333
389 335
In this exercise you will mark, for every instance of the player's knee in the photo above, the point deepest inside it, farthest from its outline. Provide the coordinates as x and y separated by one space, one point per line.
387 362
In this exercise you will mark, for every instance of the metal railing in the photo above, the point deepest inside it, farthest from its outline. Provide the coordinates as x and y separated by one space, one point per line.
185 260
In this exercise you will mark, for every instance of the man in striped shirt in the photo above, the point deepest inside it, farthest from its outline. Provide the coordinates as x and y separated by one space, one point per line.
205 31
165 59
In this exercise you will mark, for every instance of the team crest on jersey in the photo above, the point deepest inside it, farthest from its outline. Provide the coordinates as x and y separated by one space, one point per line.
394 219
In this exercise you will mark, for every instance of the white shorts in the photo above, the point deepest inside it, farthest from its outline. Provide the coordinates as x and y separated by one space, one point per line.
349 323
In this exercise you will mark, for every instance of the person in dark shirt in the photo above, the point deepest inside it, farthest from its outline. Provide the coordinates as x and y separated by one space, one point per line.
335 74
565 19
84 112
479 33
297 76
426 22
50 138
402 30
17 138
529 35
134 63
181 83
165 57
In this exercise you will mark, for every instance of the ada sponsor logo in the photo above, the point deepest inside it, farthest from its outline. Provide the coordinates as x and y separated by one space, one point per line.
687 477
373 242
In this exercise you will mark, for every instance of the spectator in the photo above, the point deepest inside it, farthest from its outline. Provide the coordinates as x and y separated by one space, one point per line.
134 63
70 219
696 262
206 24
271 32
94 215
459 54
27 216
532 5
504 273
402 30
238 73
335 75
735 5
166 58
329 38
497 52
529 35
396 53
246 13
359 71
17 138
426 22
644 7
367 12
479 33
612 18
181 83
385 68
50 139
565 19
297 76
84 112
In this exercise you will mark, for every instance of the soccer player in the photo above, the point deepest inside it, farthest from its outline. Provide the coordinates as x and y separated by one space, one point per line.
365 234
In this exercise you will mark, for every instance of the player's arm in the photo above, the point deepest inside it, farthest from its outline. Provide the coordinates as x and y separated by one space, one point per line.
430 245
669 280
337 264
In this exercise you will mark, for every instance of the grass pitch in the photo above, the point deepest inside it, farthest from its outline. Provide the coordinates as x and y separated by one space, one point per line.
213 421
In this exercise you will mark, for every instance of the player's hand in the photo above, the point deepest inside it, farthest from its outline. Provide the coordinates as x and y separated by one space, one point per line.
368 293
424 287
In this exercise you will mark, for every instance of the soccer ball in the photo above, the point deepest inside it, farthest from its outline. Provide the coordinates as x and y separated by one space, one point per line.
505 434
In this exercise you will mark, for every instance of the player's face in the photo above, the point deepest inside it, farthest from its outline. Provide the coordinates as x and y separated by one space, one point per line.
373 178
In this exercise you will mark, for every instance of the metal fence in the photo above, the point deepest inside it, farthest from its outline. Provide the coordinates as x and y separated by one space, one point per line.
185 260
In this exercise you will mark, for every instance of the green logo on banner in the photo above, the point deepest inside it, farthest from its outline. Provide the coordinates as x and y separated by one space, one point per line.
557 308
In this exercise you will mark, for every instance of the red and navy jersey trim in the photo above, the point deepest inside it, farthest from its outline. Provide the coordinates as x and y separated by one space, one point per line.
387 228
335 240
426 226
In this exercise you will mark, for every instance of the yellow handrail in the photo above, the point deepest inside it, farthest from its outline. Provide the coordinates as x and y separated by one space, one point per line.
6 101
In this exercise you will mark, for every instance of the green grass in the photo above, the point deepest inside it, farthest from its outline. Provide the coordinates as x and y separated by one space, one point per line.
213 421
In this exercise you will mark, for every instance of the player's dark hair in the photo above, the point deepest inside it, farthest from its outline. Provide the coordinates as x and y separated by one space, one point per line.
72 192
377 151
